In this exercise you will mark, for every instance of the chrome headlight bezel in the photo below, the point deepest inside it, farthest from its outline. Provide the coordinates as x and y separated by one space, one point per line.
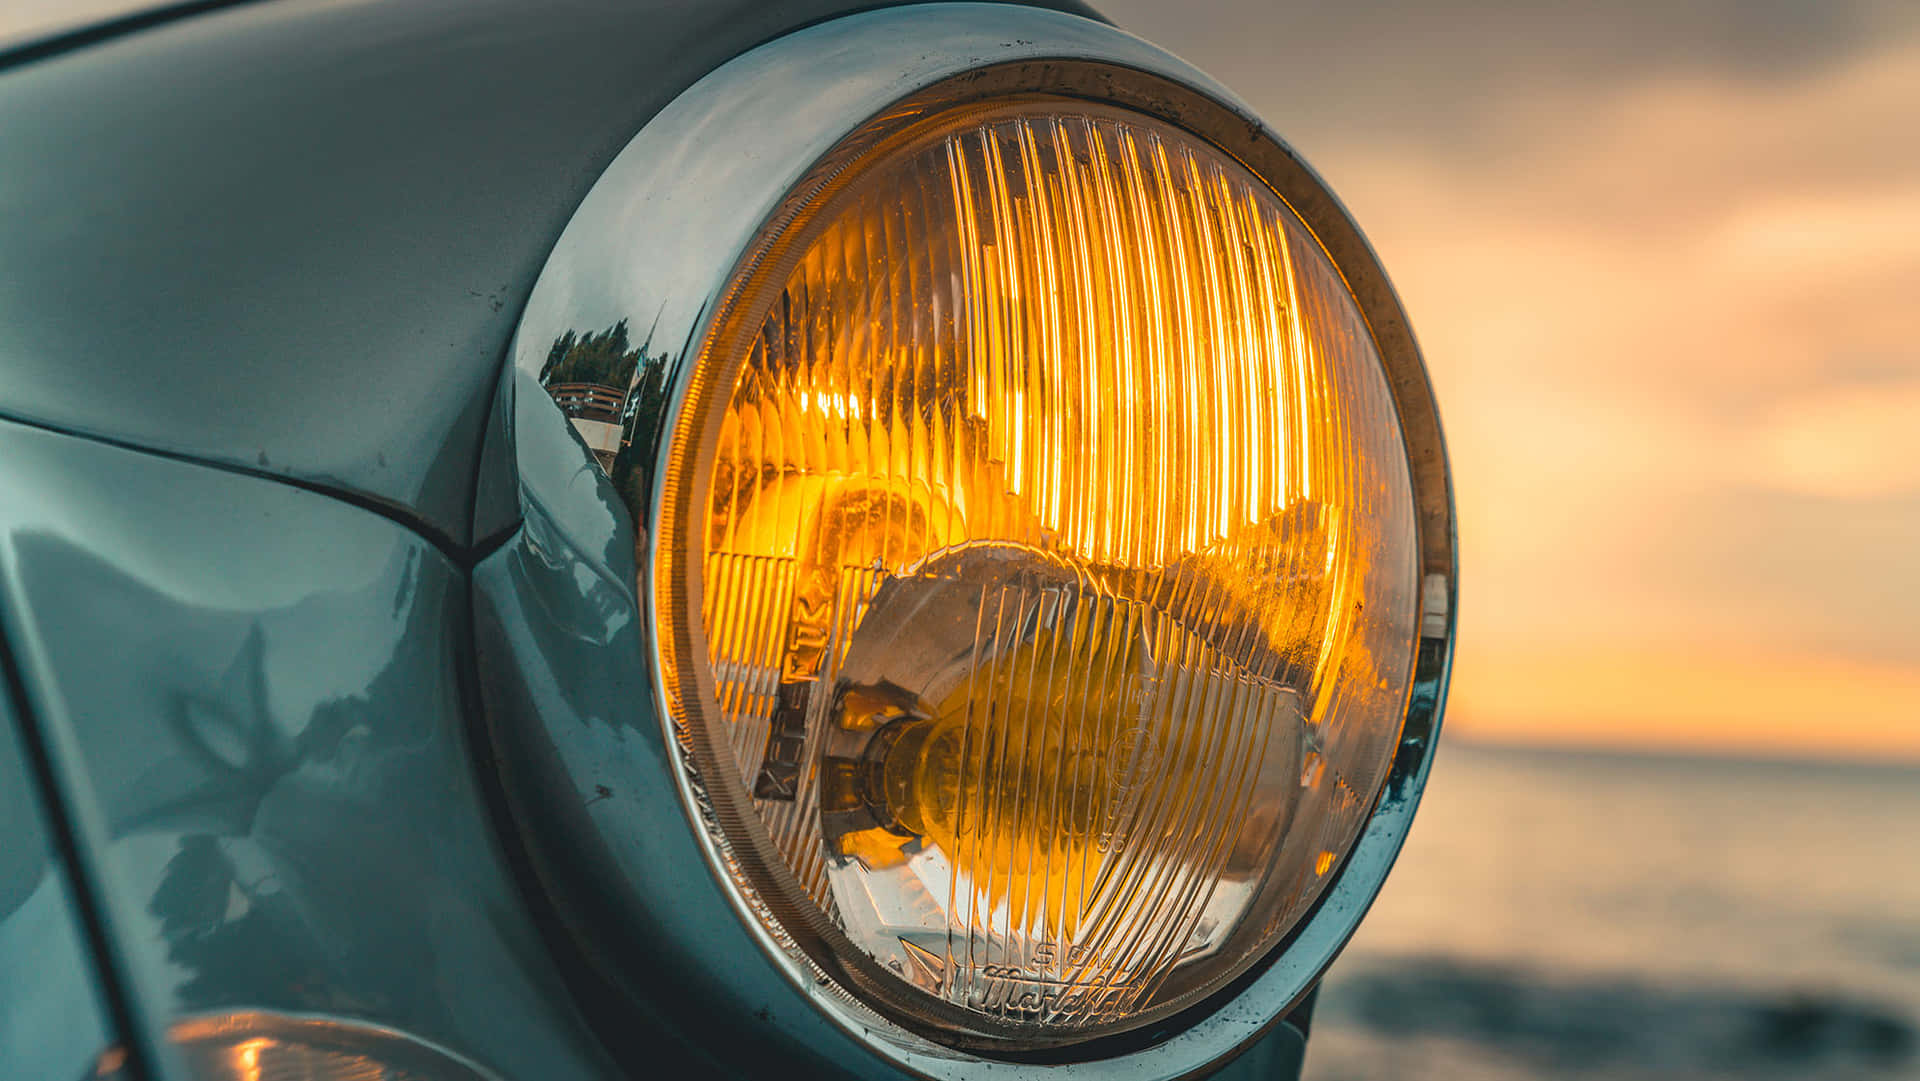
659 242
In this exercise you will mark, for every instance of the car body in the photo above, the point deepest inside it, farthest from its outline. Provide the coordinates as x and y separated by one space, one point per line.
284 554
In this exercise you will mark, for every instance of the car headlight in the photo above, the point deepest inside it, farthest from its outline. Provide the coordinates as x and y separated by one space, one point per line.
1036 575
1044 529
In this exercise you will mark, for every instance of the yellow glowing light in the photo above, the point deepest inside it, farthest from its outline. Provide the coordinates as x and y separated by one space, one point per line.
1049 529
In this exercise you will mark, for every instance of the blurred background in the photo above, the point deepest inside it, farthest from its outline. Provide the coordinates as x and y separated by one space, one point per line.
1664 260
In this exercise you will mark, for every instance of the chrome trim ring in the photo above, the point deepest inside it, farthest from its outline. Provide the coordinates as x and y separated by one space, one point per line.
658 241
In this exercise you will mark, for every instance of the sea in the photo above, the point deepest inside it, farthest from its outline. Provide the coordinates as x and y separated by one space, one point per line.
1610 916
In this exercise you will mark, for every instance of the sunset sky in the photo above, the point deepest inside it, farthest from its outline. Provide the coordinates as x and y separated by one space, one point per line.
1664 260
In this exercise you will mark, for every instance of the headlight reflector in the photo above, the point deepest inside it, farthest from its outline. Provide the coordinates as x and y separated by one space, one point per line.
1035 570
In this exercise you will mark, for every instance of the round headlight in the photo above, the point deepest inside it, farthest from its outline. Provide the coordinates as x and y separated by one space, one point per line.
1043 542
1036 572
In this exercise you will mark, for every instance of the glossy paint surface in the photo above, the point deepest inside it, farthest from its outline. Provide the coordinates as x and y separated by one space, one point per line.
52 1022
257 697
226 233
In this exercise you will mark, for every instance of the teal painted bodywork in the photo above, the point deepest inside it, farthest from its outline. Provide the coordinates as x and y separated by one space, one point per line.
258 697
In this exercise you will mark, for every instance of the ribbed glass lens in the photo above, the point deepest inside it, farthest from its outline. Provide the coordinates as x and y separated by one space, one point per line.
1036 570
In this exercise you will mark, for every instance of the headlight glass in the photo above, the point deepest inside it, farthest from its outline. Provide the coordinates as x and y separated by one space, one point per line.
1035 571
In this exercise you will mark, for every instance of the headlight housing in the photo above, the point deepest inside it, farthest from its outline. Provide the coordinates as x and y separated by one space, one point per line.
1046 540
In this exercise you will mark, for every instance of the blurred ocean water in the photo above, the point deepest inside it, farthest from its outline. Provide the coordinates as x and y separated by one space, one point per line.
1613 916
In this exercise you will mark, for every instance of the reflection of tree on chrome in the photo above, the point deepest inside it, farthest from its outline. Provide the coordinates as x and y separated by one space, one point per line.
602 359
590 376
